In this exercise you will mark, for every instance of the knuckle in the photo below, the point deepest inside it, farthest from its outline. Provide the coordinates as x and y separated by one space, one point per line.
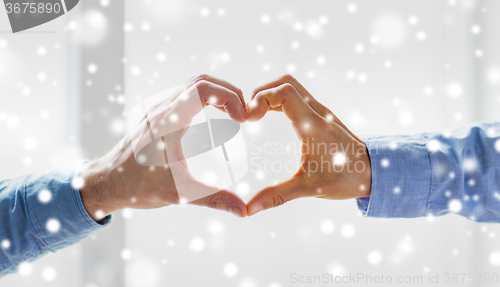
256 92
202 85
278 199
239 91
259 94
215 201
287 88
202 77
288 78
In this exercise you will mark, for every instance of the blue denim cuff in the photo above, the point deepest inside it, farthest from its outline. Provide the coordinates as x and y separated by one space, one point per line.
401 177
62 220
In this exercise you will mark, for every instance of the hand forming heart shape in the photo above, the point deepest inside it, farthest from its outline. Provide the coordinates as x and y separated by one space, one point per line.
334 162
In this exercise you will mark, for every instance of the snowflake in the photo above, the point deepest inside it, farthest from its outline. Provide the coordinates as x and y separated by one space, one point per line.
230 269
327 226
359 48
428 91
242 188
197 244
25 269
77 183
362 78
421 35
321 60
475 29
126 254
161 57
53 225
323 20
45 196
41 77
470 164
433 145
92 68
494 76
127 213
41 51
265 19
348 230
339 159
374 257
455 205
6 244
495 258
413 20
454 90
49 273
128 27
216 227
405 118
352 8
30 143
135 70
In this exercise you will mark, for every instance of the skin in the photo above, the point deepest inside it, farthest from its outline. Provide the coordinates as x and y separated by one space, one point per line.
315 125
116 181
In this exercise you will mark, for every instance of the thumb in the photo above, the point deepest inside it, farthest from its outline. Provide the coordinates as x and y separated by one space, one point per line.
224 200
275 196
284 96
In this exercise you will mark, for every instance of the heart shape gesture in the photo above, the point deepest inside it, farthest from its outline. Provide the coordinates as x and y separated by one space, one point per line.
334 163
149 169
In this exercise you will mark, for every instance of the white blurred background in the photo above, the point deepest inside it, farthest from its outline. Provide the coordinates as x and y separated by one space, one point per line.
383 67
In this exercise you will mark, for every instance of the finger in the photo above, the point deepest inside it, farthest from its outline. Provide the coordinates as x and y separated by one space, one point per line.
224 200
319 108
286 97
186 106
275 196
219 96
222 83
174 93
308 98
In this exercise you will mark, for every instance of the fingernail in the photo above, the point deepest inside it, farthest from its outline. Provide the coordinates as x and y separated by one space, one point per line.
255 209
235 211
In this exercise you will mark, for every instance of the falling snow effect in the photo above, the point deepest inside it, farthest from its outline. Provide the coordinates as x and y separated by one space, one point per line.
347 230
380 79
45 196
230 269
53 225
327 226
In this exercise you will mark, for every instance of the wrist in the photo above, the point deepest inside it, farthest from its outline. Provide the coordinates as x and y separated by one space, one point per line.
97 192
365 176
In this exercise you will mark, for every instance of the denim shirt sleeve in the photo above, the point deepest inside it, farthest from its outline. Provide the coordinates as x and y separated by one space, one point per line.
40 214
434 174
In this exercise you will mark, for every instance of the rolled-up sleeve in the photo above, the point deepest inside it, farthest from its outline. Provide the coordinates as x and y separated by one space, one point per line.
434 174
40 214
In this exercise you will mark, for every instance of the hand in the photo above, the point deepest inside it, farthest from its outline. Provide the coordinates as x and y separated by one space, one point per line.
116 180
334 164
